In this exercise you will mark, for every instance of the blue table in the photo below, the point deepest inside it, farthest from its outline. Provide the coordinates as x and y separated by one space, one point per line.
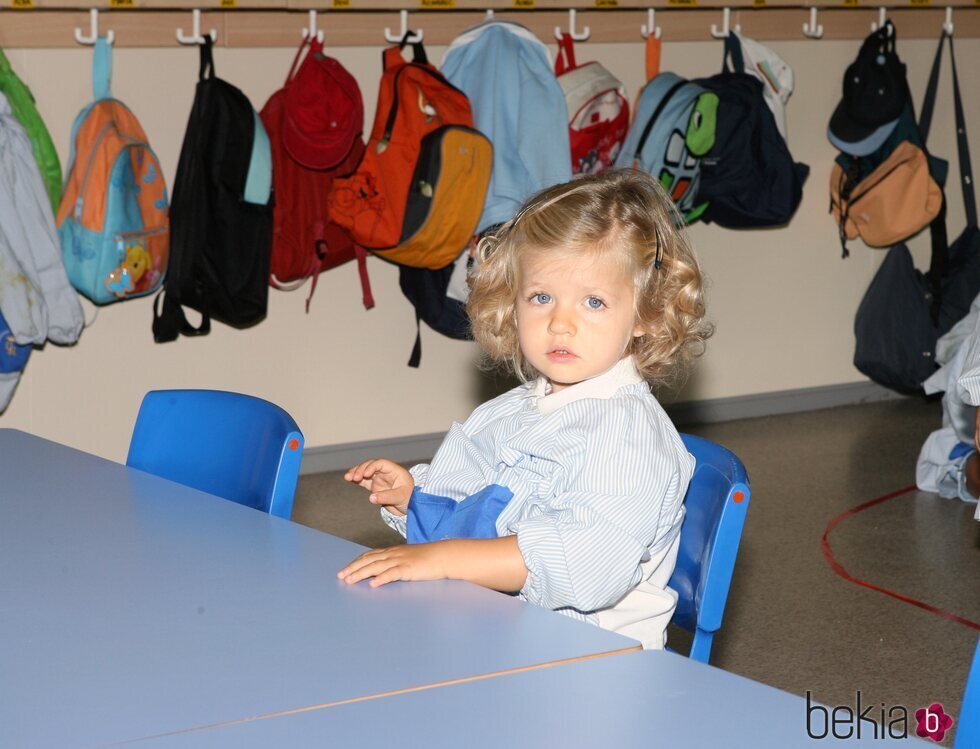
131 606
644 700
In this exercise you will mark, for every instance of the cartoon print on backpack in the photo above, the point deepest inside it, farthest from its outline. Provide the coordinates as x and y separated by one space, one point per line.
674 128
680 174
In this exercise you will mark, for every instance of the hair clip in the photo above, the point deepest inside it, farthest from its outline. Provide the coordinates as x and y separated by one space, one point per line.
659 259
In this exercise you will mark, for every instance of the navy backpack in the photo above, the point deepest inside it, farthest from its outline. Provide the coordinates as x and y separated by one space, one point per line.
748 177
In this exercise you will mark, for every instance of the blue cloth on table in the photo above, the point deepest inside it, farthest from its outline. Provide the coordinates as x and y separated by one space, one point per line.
435 518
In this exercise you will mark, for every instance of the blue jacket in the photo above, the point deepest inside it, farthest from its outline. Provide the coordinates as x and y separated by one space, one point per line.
517 103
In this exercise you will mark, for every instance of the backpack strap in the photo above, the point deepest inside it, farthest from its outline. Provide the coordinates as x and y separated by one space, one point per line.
206 71
418 49
102 69
652 57
416 357
565 60
170 321
733 51
299 53
962 144
367 298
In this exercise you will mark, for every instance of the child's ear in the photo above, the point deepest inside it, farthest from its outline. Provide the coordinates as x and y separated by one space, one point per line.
638 332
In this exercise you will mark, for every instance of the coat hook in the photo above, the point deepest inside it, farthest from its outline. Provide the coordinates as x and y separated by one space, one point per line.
577 36
813 30
195 37
650 26
725 28
415 38
948 26
881 20
311 32
93 14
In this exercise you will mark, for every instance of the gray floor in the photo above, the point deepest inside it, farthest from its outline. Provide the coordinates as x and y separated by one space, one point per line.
791 622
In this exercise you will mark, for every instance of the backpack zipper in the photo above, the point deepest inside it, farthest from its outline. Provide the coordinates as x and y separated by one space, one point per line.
882 178
88 167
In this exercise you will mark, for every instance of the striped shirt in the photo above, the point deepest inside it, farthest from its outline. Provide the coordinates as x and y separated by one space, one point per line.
599 474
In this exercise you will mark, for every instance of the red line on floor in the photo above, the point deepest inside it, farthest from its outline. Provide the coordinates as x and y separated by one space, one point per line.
839 568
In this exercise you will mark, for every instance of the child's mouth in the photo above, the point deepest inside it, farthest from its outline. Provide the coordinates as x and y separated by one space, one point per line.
561 355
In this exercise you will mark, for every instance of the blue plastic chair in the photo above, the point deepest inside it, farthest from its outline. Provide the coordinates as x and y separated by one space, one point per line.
716 502
968 729
234 446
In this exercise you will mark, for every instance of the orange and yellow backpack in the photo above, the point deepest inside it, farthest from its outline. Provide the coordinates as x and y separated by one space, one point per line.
112 221
419 191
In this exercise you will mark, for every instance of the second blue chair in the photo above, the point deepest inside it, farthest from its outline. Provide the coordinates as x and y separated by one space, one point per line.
234 446
716 502
968 730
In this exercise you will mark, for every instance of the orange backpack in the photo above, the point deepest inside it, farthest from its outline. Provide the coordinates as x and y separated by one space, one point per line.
419 191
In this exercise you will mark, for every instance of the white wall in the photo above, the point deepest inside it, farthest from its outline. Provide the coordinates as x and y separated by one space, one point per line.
783 300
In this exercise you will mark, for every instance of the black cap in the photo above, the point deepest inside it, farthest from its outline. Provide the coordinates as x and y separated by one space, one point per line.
875 89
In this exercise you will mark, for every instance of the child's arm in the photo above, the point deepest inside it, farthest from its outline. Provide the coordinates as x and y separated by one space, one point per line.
491 562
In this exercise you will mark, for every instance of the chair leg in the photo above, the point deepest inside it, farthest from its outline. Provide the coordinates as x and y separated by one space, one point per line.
701 646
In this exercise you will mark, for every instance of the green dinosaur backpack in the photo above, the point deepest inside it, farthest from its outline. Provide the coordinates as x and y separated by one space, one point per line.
22 104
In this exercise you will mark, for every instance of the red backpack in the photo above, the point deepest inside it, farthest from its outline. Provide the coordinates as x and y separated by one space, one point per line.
305 241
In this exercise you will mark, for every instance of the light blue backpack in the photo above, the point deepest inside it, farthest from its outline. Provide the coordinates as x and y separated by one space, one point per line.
507 75
112 222
674 126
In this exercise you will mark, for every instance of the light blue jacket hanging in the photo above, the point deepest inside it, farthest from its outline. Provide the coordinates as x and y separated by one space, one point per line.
517 103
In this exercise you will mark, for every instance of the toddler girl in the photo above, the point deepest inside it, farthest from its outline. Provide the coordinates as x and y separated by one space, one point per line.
569 488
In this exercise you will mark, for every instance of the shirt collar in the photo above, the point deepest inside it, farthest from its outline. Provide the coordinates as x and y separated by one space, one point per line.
601 387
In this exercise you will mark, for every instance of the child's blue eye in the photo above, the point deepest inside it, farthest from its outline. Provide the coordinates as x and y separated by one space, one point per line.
595 302
541 298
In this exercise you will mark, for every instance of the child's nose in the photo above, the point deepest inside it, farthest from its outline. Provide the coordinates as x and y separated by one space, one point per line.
562 322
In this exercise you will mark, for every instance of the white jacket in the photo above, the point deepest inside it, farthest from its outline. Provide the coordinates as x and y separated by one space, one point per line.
36 298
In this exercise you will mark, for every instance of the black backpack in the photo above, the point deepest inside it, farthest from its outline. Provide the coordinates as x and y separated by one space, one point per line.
748 176
426 290
220 215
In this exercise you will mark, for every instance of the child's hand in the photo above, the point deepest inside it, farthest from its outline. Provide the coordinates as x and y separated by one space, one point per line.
407 562
390 484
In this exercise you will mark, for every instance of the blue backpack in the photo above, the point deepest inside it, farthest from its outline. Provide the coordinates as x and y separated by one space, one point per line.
112 221
673 128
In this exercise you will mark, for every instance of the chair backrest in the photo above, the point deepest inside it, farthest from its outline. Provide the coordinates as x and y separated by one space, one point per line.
968 730
234 446
715 505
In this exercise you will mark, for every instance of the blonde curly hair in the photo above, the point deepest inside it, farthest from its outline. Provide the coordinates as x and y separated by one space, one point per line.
625 212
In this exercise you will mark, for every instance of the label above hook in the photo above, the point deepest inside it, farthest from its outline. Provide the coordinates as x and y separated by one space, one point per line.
21 4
